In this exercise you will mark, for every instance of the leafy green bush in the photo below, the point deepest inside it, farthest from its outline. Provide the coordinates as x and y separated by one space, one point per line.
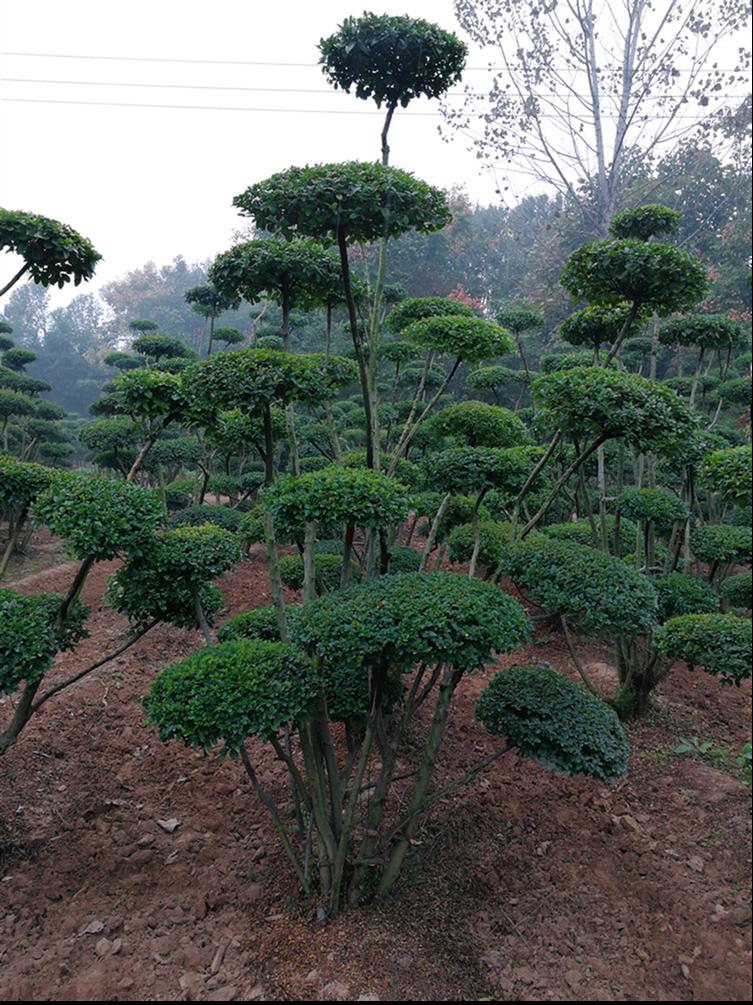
719 643
580 532
327 571
29 638
251 528
659 505
679 594
220 516
593 591
21 481
728 472
336 496
179 566
398 621
476 424
467 338
99 517
259 623
736 590
495 541
418 308
404 559
229 693
549 718
721 543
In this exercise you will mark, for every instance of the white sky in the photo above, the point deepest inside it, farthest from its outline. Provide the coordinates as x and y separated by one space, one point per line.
148 184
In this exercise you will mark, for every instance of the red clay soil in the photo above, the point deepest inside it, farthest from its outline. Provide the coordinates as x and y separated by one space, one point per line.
527 886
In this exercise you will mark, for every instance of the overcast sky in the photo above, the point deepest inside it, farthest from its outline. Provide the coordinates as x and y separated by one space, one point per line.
151 183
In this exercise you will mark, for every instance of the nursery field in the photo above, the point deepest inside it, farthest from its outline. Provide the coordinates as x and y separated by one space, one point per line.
524 887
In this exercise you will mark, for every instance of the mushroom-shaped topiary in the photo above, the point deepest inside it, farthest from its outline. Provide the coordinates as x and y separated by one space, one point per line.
419 308
735 591
728 472
544 715
679 594
721 546
476 424
53 252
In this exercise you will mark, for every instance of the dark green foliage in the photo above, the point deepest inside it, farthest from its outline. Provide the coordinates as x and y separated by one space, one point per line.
737 391
18 359
260 623
398 621
596 326
580 532
336 496
471 470
728 472
595 592
219 516
28 639
553 363
404 559
110 434
399 352
21 481
176 499
720 543
719 643
21 382
490 378
546 716
476 424
229 335
122 360
229 693
392 59
54 252
211 302
615 404
300 273
679 594
658 277
347 198
327 571
519 318
736 590
163 583
148 394
467 338
420 308
12 403
159 347
251 528
250 379
644 222
659 505
99 517
495 540
707 331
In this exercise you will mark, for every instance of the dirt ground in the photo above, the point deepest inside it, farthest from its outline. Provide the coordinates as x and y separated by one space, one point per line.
527 886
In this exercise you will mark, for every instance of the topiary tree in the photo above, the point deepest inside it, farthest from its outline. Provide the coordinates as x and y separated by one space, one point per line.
392 60
728 473
678 594
430 629
520 319
336 497
494 378
347 203
210 302
707 333
20 484
53 253
476 424
173 582
735 591
595 327
157 349
718 643
721 547
642 223
652 509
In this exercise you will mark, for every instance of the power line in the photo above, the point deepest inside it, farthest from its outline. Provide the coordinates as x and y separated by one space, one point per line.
242 62
283 90
280 111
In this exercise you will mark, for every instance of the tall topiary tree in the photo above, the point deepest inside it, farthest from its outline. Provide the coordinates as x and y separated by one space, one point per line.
53 253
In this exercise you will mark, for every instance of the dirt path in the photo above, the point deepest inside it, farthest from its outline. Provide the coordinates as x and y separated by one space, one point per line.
525 887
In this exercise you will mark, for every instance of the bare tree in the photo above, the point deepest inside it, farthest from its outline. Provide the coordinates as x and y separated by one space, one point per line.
584 87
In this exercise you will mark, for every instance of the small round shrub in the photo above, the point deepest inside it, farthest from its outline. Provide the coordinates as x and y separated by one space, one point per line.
327 571
329 546
259 623
555 721
476 424
580 532
728 472
196 516
28 640
176 500
251 527
717 543
736 590
659 505
594 591
679 594
229 693
719 643
495 538
404 559
99 517
417 308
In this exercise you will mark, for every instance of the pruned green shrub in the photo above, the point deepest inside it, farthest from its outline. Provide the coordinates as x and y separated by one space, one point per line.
327 572
544 715
29 638
718 643
231 692
679 594
659 505
718 544
220 516
728 472
736 590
